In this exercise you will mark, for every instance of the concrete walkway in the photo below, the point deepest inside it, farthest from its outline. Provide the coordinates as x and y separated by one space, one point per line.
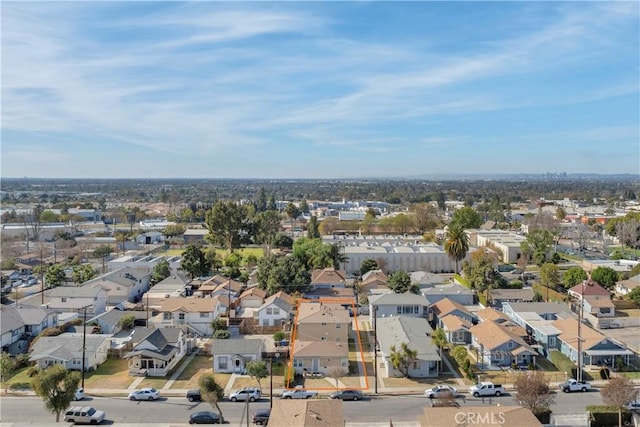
455 373
134 385
182 367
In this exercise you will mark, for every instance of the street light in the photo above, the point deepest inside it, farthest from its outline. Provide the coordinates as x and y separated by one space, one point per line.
271 381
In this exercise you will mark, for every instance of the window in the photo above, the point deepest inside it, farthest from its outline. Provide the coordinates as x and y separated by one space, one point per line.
297 363
222 362
204 314
167 316
338 326
399 309
552 341
276 310
324 323
416 364
181 316
323 338
64 299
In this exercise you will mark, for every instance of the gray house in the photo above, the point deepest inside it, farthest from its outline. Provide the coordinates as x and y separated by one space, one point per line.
67 350
232 355
20 323
391 305
453 291
414 331
124 285
500 296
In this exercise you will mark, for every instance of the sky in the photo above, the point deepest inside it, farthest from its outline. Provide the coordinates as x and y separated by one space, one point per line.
318 89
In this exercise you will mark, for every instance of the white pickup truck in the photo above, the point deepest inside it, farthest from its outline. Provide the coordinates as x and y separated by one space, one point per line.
486 389
298 393
573 385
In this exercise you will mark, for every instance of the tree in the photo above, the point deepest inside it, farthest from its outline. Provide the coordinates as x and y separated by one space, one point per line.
367 265
549 276
537 244
7 368
439 338
537 297
634 296
618 392
55 275
573 276
400 282
466 217
533 392
605 276
211 392
194 262
227 222
560 213
57 388
82 273
336 372
161 271
286 273
257 369
460 354
267 227
102 251
402 358
174 230
313 232
456 244
282 241
425 217
127 322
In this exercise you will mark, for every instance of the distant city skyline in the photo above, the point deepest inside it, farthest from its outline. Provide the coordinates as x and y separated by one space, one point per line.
319 89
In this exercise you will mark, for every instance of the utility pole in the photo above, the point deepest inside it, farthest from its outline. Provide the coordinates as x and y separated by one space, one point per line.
375 349
84 342
41 280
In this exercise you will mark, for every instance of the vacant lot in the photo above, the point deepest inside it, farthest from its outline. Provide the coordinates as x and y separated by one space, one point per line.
114 373
198 366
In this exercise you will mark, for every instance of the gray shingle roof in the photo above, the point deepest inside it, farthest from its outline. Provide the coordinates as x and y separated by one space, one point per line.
412 330
14 317
398 299
67 345
237 346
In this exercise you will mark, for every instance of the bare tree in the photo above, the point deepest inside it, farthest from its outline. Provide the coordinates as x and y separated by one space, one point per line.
618 392
336 373
533 392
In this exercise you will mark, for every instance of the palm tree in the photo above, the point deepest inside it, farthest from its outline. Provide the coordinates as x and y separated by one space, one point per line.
456 244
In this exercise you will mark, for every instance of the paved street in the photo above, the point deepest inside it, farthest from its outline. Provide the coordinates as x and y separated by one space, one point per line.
403 410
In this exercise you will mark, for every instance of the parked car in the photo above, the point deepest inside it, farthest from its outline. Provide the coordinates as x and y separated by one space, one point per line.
79 394
573 385
486 389
194 396
144 394
247 393
298 393
83 415
205 417
440 391
261 416
633 406
347 395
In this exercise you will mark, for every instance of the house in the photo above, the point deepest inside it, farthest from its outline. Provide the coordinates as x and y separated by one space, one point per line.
454 292
320 356
76 298
20 323
389 304
491 313
276 310
446 307
307 413
150 238
588 289
623 287
345 294
416 332
600 307
165 289
127 284
328 278
456 329
373 279
232 355
320 321
252 298
597 349
194 235
194 315
426 279
109 321
499 345
500 296
156 351
480 416
67 350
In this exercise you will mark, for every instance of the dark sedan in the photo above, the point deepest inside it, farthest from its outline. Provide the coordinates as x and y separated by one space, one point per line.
261 416
194 396
204 417
347 395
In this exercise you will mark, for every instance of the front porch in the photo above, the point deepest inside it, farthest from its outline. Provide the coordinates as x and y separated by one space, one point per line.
144 363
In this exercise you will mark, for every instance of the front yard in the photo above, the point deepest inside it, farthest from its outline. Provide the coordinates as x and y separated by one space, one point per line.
114 373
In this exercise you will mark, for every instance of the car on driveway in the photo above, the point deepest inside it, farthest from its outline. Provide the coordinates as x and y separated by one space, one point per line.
261 417
440 391
347 395
247 393
79 394
205 417
194 395
144 394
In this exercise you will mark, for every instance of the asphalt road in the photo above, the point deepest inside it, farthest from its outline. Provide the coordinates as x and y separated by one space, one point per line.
29 411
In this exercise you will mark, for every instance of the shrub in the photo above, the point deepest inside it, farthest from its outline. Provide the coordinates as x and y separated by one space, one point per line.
22 360
279 336
51 332
221 334
32 371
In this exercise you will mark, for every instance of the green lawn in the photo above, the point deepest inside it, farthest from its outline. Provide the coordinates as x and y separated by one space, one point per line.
564 364
20 381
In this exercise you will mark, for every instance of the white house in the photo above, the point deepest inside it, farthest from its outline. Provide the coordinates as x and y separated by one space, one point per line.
196 314
232 355
127 284
67 349
390 305
76 298
276 310
623 287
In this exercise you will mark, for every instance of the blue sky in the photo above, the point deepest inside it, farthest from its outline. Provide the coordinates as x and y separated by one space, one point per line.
318 89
